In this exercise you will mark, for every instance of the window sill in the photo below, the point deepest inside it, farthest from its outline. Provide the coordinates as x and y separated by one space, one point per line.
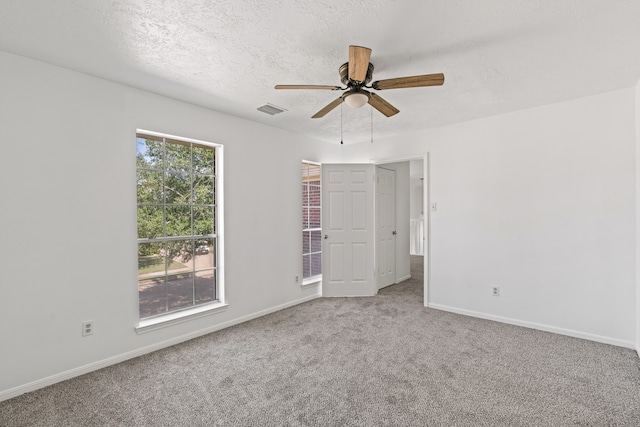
170 319
311 281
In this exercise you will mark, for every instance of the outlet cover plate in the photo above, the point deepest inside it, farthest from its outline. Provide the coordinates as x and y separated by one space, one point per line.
87 328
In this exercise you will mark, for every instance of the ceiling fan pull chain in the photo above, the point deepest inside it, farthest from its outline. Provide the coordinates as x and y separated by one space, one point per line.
371 111
341 140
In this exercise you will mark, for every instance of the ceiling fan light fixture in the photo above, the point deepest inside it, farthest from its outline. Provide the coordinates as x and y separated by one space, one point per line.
356 99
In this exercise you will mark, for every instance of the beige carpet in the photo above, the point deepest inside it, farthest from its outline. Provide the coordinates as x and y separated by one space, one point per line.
380 361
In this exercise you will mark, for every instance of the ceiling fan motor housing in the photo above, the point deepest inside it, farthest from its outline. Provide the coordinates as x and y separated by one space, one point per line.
344 76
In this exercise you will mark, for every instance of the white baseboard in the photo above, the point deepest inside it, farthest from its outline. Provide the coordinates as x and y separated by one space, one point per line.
63 376
538 326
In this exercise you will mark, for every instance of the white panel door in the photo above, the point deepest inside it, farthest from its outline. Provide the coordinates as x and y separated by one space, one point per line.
348 230
386 226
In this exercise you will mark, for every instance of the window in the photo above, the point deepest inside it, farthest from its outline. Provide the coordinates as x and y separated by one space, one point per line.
311 230
178 244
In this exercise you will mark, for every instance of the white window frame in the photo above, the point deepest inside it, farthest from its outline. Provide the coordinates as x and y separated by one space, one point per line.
182 315
318 277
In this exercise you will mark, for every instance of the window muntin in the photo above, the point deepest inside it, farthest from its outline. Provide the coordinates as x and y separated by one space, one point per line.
311 226
177 234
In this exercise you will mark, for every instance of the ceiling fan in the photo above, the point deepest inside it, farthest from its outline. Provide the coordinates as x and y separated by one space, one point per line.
356 75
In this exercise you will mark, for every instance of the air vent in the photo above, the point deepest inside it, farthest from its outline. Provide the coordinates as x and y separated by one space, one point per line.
271 109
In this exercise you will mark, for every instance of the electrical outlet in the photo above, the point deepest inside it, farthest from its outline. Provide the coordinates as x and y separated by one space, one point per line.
297 278
87 328
495 291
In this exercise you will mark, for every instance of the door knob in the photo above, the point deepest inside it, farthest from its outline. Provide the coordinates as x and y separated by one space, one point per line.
394 232
326 236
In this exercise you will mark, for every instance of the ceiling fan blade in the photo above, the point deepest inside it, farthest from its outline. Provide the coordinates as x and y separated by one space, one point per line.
358 62
328 108
320 87
414 81
383 106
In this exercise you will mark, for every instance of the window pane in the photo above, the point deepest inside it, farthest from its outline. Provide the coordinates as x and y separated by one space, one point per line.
203 190
149 153
149 186
180 291
203 220
314 195
316 241
178 156
306 266
179 256
316 264
314 174
152 297
151 260
177 188
203 160
205 286
311 212
205 256
178 220
150 222
306 242
305 218
314 217
305 194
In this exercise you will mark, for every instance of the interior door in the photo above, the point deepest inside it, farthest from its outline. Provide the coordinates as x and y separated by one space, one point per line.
348 230
386 226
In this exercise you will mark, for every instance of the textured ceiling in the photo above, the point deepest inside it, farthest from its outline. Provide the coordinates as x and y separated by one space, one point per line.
497 55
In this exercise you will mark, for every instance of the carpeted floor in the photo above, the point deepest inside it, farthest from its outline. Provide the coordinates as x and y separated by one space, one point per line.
380 361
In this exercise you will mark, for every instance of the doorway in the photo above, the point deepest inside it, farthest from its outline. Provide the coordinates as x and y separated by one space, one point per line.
412 215
347 261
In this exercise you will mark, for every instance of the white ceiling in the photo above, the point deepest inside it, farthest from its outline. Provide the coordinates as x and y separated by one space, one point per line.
497 55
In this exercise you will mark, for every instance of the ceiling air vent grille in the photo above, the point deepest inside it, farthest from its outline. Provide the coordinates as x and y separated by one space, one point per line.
271 109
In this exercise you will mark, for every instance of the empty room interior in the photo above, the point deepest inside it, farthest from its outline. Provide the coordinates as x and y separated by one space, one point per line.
320 213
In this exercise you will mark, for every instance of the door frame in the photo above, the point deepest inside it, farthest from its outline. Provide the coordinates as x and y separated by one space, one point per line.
425 206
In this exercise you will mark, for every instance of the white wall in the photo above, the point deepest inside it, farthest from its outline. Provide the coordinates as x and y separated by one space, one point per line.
68 218
540 202
417 217
416 206
416 190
